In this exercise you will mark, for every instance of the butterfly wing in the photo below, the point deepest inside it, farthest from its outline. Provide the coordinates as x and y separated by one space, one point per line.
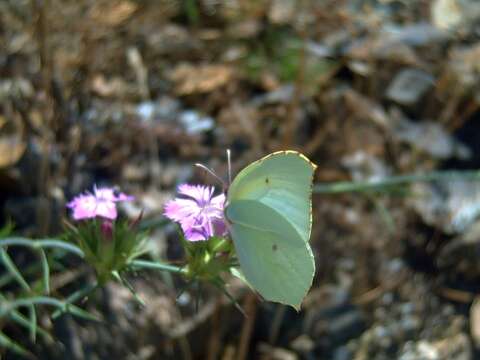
272 255
282 181
269 208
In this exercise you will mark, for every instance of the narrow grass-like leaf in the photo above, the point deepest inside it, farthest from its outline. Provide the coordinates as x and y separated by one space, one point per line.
33 323
143 264
12 268
41 243
220 284
386 184
130 288
77 295
7 278
45 272
20 319
8 343
49 301
80 313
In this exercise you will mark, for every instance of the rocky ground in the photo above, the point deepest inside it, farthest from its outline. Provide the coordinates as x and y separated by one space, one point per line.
132 93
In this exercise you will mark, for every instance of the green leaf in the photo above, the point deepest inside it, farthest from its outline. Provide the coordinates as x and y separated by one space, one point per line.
144 264
33 323
41 243
7 307
11 345
12 268
130 288
23 321
76 296
45 272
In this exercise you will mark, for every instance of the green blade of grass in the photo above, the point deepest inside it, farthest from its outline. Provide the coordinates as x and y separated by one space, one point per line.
77 295
393 181
45 272
23 321
8 277
12 269
49 301
42 243
143 264
129 286
32 323
11 345
220 284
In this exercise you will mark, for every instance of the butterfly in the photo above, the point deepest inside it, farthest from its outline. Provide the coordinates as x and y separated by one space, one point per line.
269 214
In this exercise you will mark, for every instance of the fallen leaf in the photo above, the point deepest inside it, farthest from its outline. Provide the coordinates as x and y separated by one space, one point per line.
11 150
112 14
200 79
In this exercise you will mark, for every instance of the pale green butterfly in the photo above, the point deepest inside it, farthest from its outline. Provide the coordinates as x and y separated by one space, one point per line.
269 211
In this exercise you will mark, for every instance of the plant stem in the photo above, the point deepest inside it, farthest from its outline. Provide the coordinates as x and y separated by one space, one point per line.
384 184
143 264
42 243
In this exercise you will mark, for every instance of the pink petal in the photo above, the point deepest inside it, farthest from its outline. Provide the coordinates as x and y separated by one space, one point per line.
106 209
179 209
83 207
218 201
104 193
198 192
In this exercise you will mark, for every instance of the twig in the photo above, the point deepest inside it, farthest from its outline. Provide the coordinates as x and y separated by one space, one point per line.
250 306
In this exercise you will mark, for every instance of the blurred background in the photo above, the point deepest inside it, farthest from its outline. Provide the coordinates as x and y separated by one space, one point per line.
133 92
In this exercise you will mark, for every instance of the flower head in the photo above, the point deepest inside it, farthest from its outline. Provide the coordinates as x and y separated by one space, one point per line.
199 213
102 203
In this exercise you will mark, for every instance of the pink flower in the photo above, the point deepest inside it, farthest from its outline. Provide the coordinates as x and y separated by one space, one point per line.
199 213
102 203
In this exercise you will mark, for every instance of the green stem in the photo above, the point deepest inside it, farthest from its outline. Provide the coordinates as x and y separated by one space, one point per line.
37 300
143 264
77 295
42 243
45 300
364 186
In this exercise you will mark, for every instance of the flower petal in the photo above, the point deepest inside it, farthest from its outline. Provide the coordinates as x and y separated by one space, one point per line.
200 215
84 207
201 194
106 209
179 209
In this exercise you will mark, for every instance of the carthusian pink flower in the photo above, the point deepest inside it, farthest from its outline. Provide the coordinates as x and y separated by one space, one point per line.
102 203
199 213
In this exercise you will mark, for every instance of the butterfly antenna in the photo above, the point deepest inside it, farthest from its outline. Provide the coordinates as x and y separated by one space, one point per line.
218 178
229 167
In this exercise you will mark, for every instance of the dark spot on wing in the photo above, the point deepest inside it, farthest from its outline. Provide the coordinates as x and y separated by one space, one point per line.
267 180
274 247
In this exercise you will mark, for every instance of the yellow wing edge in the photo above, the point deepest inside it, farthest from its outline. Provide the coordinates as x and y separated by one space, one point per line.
294 152
303 157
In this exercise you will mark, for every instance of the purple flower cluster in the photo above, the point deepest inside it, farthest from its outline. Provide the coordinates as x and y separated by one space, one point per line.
199 213
101 203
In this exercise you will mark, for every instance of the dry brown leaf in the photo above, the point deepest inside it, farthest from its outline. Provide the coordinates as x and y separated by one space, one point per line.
112 14
108 87
200 79
11 150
